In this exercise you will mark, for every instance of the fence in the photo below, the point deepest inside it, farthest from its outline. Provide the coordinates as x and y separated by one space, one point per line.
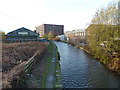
30 62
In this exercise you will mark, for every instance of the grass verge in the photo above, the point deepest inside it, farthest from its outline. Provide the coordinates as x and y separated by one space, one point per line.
46 65
57 74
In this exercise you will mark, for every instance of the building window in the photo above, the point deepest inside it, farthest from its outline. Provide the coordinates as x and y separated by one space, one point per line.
23 33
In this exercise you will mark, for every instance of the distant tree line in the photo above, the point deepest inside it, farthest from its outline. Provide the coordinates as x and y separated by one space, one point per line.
51 36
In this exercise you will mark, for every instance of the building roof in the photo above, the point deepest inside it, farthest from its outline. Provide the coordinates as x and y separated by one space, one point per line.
48 24
52 24
79 30
99 25
75 31
19 29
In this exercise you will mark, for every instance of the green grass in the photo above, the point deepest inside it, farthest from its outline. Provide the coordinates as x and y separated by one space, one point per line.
57 83
46 65
47 61
58 77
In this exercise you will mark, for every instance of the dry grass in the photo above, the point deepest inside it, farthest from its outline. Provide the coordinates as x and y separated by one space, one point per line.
15 55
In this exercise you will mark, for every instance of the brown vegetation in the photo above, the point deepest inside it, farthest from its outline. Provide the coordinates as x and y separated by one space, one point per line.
15 56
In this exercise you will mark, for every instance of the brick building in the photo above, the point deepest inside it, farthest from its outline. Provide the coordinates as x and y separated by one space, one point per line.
46 28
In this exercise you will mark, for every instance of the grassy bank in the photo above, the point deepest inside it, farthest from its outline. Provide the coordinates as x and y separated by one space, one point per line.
110 63
57 83
47 61
105 59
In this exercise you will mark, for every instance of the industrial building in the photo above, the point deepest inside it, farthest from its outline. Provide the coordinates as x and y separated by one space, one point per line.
77 33
22 35
76 37
46 28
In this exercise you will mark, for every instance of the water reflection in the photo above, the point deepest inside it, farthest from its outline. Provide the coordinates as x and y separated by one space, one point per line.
80 70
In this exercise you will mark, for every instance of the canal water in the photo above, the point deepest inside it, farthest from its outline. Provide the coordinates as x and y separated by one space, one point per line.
80 70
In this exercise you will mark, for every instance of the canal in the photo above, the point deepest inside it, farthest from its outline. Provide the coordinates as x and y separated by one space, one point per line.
80 70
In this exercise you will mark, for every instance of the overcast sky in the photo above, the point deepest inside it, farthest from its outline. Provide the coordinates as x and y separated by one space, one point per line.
73 14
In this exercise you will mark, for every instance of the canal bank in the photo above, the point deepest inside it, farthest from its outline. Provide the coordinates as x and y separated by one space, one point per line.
80 70
113 65
53 79
45 72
